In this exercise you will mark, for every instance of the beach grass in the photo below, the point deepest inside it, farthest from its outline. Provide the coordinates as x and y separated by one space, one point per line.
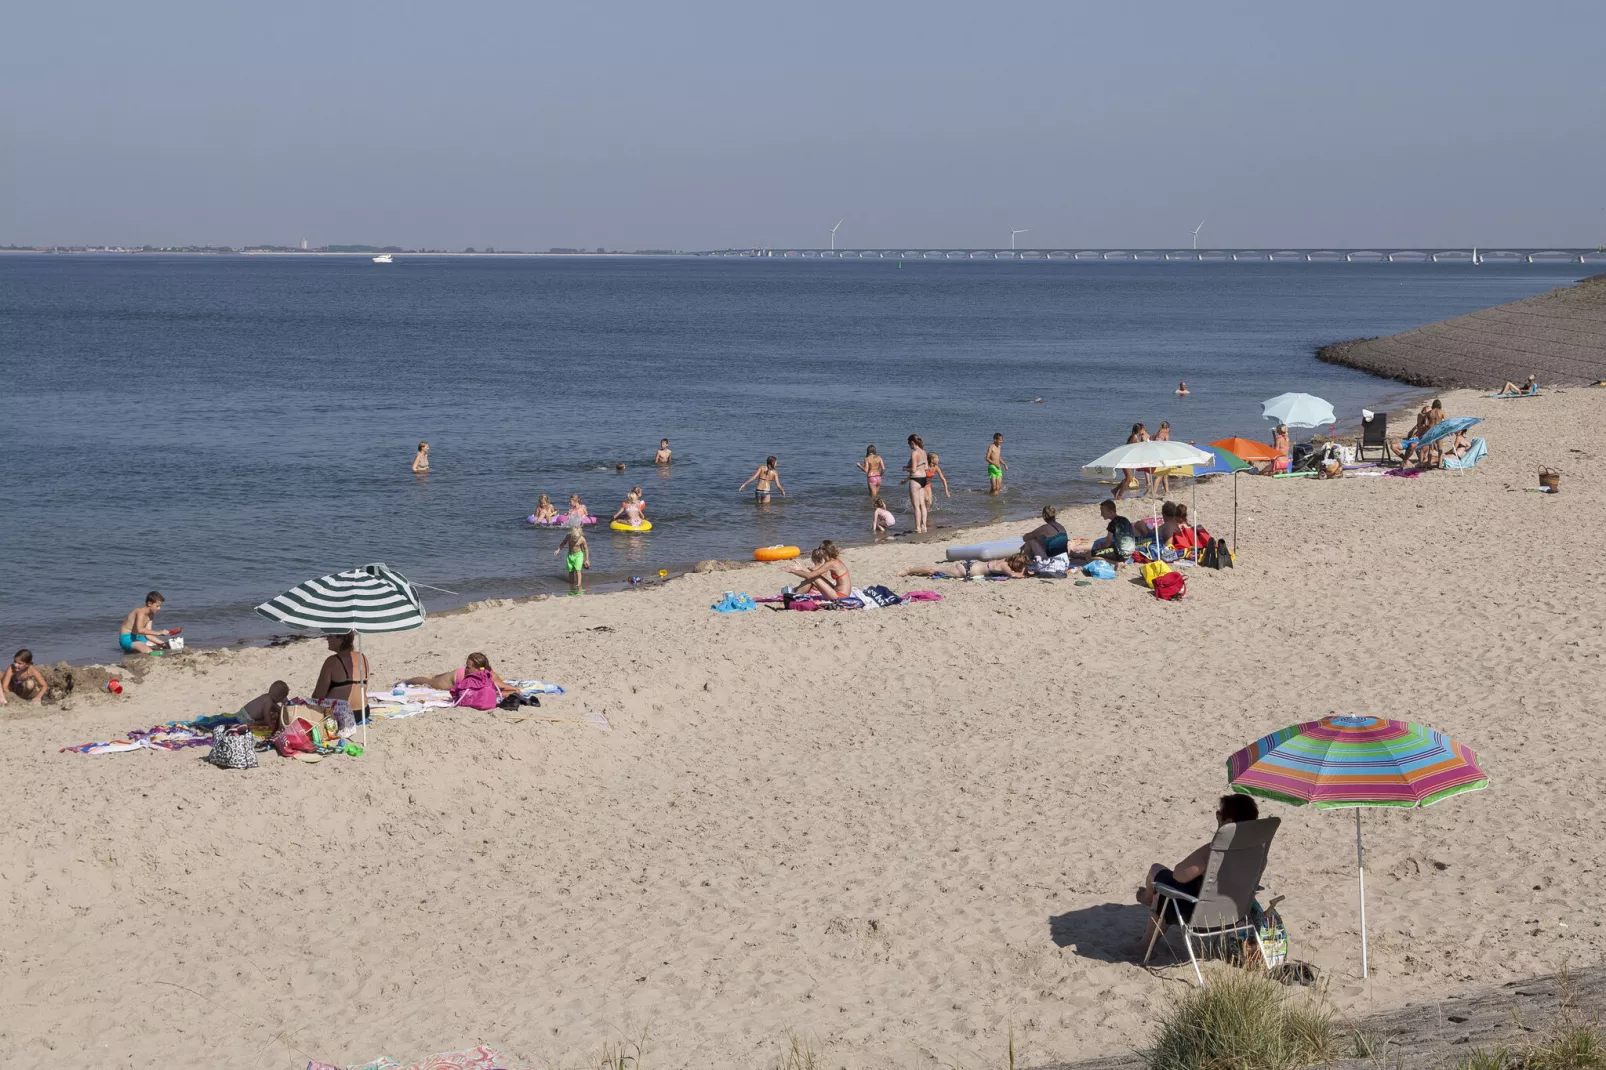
1571 1047
1244 1021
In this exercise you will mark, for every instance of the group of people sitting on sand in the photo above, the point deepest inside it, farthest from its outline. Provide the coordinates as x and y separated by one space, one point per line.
1434 453
826 576
344 676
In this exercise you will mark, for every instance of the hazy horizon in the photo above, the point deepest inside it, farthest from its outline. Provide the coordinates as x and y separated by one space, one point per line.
715 125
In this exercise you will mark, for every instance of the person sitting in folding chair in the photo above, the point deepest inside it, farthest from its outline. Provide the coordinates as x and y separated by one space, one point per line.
1188 876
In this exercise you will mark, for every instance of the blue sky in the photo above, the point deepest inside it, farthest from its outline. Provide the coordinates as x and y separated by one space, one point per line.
704 125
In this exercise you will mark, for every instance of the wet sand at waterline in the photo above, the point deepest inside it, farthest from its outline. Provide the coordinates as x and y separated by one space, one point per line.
896 832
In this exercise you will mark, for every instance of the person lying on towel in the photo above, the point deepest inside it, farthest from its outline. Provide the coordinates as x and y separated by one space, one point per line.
1012 567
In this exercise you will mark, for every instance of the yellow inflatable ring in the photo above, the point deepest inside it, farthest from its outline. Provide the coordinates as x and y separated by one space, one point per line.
775 553
646 525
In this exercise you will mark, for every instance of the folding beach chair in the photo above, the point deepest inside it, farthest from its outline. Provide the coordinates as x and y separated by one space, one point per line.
1232 876
1374 436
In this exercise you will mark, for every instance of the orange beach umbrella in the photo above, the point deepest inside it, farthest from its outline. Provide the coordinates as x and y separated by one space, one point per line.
1248 449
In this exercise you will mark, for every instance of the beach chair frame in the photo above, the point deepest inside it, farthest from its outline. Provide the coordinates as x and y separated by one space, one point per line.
1374 436
1226 898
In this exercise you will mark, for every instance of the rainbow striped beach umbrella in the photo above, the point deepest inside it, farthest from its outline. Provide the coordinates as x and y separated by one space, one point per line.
1356 761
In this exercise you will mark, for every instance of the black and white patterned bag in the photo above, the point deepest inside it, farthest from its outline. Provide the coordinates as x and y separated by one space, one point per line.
233 748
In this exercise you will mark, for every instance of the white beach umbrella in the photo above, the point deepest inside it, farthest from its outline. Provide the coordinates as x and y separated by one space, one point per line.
372 598
1151 454
1298 410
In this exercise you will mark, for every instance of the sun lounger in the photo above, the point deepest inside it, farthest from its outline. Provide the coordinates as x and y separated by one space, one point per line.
1232 876
1374 437
1477 452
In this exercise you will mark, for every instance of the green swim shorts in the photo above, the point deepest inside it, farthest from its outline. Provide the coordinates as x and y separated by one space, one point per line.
994 472
576 561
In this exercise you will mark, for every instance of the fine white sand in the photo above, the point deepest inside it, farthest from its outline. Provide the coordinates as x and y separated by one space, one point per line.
894 832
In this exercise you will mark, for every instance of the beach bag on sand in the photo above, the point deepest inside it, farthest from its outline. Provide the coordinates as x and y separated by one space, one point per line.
1154 570
1099 569
1170 585
476 690
233 748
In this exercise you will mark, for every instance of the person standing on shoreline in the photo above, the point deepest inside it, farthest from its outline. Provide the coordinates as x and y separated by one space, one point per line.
918 479
873 468
421 458
996 465
577 557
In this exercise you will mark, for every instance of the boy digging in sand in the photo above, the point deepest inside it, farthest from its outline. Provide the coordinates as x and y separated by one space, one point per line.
577 557
136 635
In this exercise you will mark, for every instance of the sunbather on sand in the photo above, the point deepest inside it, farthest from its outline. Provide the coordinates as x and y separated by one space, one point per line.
1118 542
1188 874
828 578
475 663
1012 567
267 708
1530 387
23 679
1036 541
1457 447
344 673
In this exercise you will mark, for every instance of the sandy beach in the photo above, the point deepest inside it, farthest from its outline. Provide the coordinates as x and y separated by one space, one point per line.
899 833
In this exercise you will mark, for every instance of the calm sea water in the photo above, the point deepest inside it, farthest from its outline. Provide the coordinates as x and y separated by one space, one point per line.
222 429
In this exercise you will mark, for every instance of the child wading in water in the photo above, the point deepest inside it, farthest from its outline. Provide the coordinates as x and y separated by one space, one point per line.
873 468
577 557
883 519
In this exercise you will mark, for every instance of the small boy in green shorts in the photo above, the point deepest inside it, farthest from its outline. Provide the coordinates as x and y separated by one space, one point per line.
577 556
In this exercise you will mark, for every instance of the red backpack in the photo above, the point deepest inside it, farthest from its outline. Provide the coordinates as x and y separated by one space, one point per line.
1169 586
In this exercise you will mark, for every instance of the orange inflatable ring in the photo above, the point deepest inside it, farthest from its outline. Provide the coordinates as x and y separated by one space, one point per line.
775 553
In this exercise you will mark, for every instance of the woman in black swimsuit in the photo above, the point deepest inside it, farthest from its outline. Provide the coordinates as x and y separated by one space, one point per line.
919 476
344 673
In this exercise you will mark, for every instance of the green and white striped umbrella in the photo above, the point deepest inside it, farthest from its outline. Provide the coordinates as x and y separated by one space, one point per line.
373 598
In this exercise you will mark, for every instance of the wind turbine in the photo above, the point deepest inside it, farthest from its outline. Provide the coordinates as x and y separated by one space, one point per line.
1196 231
1012 234
833 233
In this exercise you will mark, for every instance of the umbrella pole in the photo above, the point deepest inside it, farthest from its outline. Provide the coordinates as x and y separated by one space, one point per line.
1360 862
363 698
1235 511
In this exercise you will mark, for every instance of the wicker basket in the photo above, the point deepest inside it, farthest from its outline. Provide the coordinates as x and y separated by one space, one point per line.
1550 478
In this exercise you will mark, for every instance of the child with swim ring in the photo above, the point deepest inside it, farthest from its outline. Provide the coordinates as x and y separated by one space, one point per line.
545 511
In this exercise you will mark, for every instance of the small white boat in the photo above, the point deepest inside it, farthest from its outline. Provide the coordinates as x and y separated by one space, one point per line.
382 258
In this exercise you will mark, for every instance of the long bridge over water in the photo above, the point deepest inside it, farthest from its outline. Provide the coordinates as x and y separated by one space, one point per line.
1430 254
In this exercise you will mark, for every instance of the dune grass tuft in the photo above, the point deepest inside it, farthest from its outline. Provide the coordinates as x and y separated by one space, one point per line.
1244 1021
1572 1047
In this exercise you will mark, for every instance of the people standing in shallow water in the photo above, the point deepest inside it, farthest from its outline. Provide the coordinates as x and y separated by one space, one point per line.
421 458
874 468
935 472
765 475
1182 390
918 479
664 454
996 465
